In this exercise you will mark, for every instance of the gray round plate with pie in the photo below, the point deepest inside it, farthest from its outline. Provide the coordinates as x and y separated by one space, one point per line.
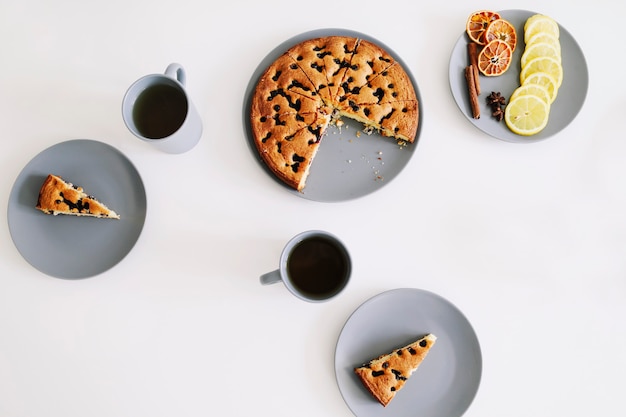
74 247
447 380
349 164
567 105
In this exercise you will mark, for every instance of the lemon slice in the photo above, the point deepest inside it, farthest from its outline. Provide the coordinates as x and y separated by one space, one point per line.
526 115
544 38
534 89
540 24
546 81
537 50
533 18
545 64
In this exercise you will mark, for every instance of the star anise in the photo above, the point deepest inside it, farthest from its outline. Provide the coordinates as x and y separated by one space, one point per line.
496 99
497 103
498 113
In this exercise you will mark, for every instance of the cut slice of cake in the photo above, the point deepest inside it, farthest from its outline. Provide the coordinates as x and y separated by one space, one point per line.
367 63
386 375
289 152
58 196
325 61
391 119
285 76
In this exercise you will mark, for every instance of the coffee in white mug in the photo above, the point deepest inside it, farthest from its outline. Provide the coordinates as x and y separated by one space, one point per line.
314 265
318 267
157 109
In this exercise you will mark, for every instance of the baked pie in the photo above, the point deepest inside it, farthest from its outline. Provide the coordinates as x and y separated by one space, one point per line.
384 376
58 196
318 81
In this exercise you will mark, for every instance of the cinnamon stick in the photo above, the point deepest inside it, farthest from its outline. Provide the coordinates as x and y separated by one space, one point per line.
472 52
471 88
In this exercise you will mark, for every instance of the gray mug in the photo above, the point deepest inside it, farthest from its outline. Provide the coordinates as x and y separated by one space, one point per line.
157 109
315 266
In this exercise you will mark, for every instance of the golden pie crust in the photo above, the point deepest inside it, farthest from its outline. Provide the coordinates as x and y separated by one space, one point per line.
317 81
58 196
384 376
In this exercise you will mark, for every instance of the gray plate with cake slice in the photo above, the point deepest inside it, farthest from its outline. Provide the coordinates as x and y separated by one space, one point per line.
72 247
349 164
445 383
571 94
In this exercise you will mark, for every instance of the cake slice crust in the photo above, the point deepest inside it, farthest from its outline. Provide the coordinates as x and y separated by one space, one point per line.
384 376
58 196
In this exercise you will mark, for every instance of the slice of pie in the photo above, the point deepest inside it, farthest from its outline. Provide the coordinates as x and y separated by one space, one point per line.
391 119
386 375
285 78
57 196
288 144
368 61
392 84
325 61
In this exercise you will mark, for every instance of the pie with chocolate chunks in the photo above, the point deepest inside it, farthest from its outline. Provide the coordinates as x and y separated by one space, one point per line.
384 376
315 83
58 196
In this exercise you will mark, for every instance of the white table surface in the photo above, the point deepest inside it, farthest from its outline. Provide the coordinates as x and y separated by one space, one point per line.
527 240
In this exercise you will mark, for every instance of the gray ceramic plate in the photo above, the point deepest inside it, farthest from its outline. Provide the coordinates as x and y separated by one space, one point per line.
78 247
568 103
445 383
346 166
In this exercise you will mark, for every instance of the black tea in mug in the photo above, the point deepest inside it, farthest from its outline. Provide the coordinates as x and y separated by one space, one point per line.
315 266
318 267
159 111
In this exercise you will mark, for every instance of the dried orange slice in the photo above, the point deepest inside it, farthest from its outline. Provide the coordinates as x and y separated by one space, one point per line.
503 30
477 24
495 58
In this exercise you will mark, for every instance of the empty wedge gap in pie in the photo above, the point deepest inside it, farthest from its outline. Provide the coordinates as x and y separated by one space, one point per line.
315 83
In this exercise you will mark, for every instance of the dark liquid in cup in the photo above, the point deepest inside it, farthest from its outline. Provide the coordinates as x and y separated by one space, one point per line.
159 111
318 268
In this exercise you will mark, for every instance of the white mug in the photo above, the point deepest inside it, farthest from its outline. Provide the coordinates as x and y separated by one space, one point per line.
157 109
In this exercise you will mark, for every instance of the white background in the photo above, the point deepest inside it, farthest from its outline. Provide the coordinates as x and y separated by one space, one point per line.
527 240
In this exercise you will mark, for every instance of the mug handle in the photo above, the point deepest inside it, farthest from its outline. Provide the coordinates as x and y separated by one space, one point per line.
177 72
270 278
